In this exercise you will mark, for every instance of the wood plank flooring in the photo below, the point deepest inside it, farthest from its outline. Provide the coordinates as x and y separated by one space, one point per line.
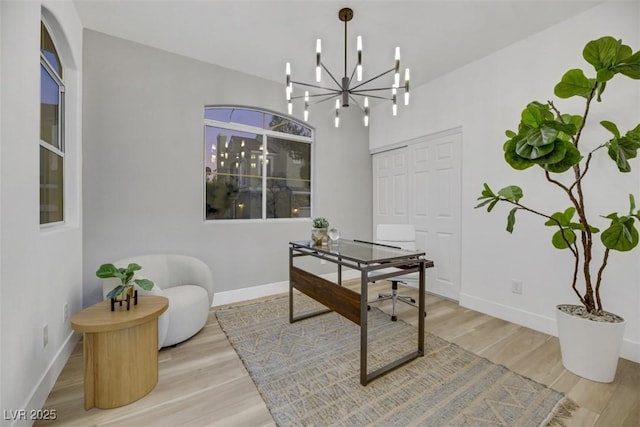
203 382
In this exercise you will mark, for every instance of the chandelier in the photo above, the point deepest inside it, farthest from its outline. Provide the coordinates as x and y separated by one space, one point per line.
346 88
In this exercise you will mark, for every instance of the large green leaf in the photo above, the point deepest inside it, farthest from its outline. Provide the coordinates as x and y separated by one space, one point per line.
573 83
145 284
532 152
107 271
621 234
536 113
512 193
557 155
571 158
513 159
560 242
611 127
621 150
630 67
602 53
542 135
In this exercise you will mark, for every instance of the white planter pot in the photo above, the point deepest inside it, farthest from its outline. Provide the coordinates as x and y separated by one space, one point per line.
589 348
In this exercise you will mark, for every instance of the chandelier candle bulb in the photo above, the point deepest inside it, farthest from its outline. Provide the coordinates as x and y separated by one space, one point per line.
359 66
337 121
406 86
318 52
366 112
394 106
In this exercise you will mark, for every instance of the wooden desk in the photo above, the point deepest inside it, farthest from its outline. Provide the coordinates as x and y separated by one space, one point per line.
120 350
372 260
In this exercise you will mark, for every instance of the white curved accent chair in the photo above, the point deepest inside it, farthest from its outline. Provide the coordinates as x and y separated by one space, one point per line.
188 284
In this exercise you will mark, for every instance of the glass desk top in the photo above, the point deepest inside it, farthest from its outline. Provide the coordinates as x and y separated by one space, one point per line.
360 251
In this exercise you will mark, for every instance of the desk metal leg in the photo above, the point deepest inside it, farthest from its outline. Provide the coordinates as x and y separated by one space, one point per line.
363 327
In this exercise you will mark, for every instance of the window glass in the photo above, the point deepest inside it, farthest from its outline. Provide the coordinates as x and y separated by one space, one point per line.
48 50
51 131
49 108
233 166
288 178
51 187
253 170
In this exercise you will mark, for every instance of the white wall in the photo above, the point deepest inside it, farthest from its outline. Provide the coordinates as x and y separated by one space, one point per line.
143 166
41 269
485 98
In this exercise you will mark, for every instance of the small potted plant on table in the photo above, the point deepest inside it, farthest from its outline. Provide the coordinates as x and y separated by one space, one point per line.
319 231
124 291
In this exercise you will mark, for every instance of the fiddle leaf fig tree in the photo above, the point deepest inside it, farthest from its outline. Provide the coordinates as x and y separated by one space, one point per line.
552 141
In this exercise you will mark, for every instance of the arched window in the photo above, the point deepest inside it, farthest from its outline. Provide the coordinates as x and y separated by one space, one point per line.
51 131
257 165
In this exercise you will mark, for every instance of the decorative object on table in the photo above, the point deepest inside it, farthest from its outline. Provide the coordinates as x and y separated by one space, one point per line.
125 290
334 235
319 231
556 143
307 373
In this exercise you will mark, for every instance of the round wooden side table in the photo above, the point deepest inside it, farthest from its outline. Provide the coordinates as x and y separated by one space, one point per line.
120 350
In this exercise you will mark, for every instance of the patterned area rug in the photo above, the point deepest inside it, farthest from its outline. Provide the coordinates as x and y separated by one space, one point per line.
308 374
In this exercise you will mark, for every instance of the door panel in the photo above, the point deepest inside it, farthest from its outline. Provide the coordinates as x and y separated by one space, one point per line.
421 184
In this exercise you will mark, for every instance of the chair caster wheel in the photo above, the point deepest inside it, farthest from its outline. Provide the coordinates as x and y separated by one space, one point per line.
413 301
394 318
369 308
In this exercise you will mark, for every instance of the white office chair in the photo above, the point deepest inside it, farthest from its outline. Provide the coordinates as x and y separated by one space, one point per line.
402 236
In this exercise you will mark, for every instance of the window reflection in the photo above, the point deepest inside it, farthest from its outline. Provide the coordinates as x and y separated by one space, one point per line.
252 175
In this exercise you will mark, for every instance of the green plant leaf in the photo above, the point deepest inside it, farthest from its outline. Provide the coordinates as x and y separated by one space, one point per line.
602 53
621 235
571 158
512 193
145 284
115 291
535 114
630 66
511 219
611 127
542 135
622 149
513 159
107 271
558 154
532 152
563 243
574 83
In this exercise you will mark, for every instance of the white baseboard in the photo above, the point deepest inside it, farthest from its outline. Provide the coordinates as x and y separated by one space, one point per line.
244 294
630 349
40 393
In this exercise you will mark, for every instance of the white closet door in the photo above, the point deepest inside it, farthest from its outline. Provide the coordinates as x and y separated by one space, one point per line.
421 184
390 187
434 208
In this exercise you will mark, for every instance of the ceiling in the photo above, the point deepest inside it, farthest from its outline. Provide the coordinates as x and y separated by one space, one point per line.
258 37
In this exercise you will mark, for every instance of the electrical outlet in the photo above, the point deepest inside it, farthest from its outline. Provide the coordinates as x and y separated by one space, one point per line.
65 312
516 287
45 335
323 261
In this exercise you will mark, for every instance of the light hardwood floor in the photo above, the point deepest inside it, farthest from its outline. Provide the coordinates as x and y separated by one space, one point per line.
203 382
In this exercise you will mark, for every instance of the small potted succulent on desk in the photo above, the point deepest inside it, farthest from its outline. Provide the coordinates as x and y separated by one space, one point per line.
124 291
319 231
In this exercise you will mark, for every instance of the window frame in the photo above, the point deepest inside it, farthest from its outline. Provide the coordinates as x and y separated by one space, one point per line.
60 150
265 133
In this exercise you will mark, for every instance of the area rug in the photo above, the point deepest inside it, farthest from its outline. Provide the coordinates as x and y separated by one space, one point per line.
308 374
